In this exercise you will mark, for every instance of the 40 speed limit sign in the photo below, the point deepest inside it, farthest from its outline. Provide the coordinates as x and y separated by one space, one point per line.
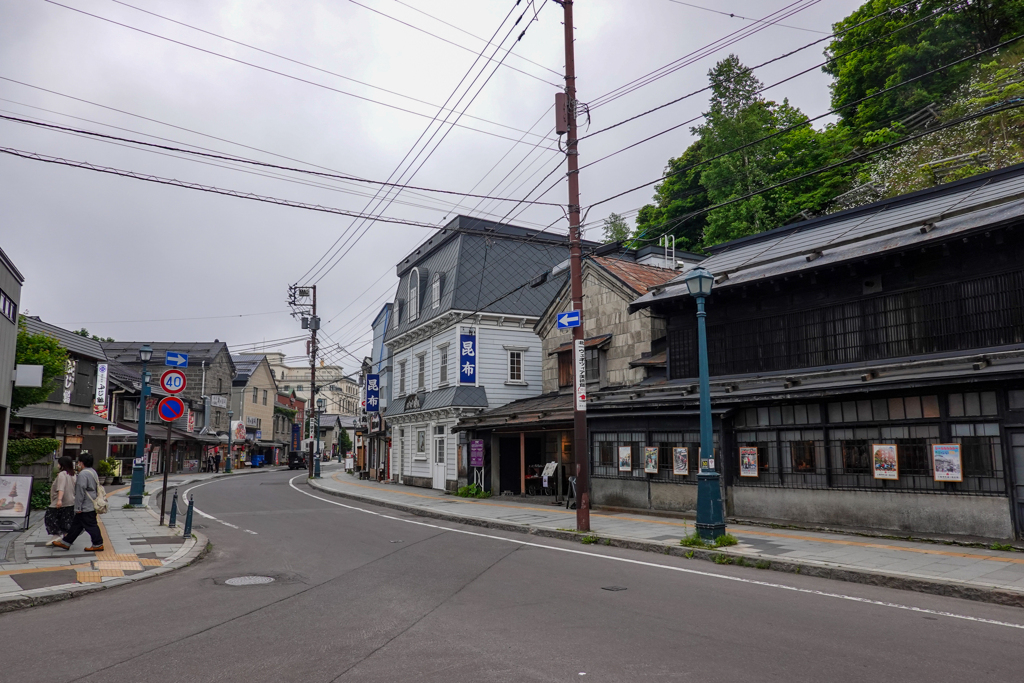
173 381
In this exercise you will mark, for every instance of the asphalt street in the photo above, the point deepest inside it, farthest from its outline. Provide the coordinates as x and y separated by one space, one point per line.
368 594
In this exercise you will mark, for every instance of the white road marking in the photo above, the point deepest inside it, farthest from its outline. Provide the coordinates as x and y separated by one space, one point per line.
713 575
207 515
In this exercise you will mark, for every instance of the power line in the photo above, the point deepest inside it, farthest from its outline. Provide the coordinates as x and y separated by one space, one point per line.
252 162
735 16
288 59
165 320
807 121
281 73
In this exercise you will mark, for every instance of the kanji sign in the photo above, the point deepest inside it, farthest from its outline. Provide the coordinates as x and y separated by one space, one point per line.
580 360
372 393
170 409
173 381
467 359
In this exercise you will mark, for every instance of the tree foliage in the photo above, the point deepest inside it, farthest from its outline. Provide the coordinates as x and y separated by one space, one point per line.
85 333
38 349
616 229
678 196
959 30
22 452
344 442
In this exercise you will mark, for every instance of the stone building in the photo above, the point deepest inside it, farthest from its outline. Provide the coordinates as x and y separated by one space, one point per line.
341 391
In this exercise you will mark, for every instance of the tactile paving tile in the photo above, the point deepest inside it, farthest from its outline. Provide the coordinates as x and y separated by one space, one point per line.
89 577
108 564
149 562
110 572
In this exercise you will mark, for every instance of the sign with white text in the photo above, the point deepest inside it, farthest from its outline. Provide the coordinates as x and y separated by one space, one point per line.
947 464
580 361
101 384
467 359
372 393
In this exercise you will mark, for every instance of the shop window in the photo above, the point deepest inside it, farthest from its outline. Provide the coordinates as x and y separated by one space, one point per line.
856 456
802 454
605 453
980 448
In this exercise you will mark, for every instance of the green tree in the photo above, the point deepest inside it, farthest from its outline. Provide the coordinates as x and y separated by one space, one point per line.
676 198
38 349
85 333
344 442
616 229
959 30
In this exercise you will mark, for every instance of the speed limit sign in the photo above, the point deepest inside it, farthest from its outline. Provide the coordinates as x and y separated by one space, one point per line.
173 381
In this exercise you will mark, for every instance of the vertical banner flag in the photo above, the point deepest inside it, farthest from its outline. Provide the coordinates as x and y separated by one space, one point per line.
580 361
372 393
467 359
296 436
101 384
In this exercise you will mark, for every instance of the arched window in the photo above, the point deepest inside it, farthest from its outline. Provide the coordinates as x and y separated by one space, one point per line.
414 294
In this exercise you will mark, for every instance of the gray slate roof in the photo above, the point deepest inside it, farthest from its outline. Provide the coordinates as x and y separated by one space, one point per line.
245 365
463 397
881 226
128 352
74 343
480 262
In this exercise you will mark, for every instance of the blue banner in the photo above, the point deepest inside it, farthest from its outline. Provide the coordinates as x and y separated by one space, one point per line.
372 393
467 359
296 436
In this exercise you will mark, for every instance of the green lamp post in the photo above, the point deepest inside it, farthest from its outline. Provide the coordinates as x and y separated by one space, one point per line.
710 517
138 486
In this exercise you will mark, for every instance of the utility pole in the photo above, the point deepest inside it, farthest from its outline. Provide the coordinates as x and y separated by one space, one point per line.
579 414
301 296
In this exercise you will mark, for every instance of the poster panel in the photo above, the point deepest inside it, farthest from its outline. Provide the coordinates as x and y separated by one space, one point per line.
884 461
681 460
625 458
947 464
651 459
15 501
476 453
748 461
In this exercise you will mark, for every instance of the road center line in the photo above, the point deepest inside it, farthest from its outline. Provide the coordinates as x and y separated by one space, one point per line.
713 575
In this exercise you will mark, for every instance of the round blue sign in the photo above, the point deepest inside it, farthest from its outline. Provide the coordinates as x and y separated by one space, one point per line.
170 409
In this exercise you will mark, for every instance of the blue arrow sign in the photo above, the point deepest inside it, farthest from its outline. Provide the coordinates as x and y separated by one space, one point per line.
176 360
568 319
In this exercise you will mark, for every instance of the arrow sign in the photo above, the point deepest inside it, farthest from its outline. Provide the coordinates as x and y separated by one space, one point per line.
568 319
170 409
173 381
175 359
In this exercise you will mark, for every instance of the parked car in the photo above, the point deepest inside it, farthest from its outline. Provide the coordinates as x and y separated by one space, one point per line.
296 459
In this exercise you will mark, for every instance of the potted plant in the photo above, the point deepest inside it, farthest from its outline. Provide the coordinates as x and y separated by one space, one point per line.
104 469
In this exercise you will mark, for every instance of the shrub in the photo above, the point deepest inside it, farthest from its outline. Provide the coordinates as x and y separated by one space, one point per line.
473 491
28 451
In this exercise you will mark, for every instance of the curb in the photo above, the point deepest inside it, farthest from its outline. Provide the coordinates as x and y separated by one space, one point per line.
719 556
182 558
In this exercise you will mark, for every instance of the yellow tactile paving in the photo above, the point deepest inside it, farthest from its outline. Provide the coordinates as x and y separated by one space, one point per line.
150 562
34 570
110 572
744 532
89 577
107 564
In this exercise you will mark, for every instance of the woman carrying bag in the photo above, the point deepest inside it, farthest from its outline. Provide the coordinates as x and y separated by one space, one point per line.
61 511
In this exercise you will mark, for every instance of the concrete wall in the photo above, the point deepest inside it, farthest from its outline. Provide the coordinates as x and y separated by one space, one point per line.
921 513
643 494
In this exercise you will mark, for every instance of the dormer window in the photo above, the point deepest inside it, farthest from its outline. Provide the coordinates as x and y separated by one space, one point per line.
414 294
435 291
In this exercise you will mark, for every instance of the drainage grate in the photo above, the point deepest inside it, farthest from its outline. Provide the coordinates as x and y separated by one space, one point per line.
249 580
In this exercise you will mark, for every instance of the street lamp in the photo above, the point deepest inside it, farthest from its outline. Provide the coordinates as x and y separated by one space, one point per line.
710 519
138 469
231 430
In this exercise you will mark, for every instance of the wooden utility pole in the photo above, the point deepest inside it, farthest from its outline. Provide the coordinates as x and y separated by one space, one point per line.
579 414
314 325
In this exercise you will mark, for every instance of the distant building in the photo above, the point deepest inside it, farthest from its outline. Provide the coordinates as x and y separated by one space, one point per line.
340 391
253 397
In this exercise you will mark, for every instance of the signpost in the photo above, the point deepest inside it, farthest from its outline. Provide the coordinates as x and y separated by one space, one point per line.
373 393
176 360
580 360
169 410
173 381
569 319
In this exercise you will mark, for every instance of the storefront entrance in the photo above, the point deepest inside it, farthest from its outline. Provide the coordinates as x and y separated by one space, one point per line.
1017 454
439 459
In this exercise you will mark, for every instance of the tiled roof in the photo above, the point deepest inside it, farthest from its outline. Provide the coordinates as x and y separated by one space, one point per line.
128 352
74 343
547 408
245 365
592 343
465 397
638 276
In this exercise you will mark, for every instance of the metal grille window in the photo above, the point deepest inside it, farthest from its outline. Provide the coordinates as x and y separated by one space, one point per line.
605 453
980 448
966 314
8 308
442 352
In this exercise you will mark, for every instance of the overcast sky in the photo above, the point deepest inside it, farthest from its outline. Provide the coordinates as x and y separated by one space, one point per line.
122 256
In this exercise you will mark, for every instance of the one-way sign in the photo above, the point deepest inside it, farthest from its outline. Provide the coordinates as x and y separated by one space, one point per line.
175 359
568 319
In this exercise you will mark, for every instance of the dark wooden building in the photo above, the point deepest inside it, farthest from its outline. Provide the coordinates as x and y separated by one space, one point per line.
896 324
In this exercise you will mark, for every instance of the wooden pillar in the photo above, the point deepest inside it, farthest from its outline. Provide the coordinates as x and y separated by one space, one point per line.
522 463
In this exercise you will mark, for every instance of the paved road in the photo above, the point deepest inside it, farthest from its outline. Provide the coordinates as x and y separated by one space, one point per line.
367 594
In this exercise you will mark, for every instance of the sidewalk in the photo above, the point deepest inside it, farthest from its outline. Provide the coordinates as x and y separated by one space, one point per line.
136 548
976 574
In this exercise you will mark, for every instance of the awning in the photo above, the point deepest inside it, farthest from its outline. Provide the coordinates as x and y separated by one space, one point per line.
119 435
592 343
41 413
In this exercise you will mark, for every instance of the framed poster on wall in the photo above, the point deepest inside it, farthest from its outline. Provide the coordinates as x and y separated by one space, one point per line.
884 461
625 458
748 461
651 459
15 498
947 464
681 460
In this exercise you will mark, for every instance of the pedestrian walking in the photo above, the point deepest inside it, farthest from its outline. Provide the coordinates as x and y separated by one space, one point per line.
61 512
87 488
216 462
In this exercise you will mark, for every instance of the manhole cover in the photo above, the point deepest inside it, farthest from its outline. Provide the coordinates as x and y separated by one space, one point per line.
249 580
